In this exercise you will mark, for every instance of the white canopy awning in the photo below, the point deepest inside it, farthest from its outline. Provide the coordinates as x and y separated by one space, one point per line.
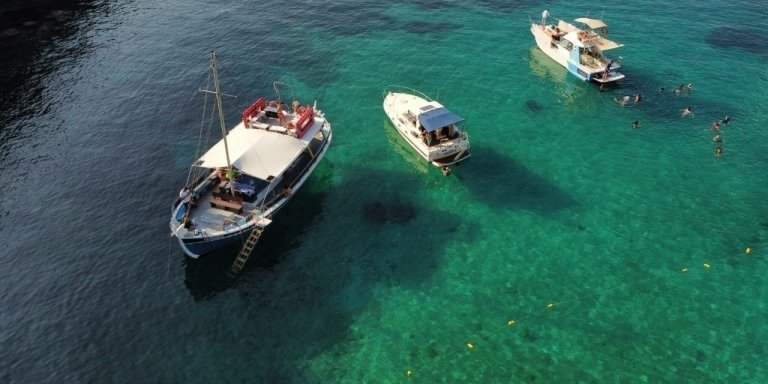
256 152
592 23
573 38
596 41
605 44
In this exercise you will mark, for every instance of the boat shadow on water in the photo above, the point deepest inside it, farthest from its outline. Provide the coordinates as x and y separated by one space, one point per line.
501 182
208 275
300 300
373 218
405 151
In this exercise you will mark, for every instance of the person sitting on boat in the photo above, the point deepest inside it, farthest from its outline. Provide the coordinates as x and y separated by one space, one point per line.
221 173
185 195
431 138
556 34
231 174
423 134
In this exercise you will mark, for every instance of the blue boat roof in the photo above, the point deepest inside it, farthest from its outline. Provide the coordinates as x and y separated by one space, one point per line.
437 118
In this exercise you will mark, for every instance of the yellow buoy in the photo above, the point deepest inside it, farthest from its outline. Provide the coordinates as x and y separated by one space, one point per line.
470 346
550 305
706 265
748 250
684 270
408 373
511 323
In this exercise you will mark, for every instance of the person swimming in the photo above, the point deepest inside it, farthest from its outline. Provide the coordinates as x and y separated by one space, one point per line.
688 111
717 139
725 120
638 98
715 126
635 124
719 150
623 101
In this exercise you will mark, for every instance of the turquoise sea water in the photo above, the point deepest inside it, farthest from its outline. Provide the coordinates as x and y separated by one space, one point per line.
382 270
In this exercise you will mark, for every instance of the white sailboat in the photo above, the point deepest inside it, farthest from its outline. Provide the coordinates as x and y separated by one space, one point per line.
431 129
235 188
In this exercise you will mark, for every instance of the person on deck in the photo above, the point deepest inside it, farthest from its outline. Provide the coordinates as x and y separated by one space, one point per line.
185 195
232 174
221 173
544 15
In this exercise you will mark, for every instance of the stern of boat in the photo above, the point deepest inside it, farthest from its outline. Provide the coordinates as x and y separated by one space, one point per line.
613 76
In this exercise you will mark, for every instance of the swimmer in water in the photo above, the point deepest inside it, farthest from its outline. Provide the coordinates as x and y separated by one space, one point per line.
688 111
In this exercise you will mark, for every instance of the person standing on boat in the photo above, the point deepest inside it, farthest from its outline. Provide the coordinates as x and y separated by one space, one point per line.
544 15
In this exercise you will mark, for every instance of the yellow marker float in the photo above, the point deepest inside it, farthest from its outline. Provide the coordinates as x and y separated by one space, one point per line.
748 250
684 270
511 323
470 346
550 305
408 373
706 265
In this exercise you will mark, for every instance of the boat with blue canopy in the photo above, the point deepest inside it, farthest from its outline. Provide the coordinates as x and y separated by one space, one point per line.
430 128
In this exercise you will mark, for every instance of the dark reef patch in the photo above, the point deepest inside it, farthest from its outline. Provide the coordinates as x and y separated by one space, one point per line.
534 106
382 213
745 39
425 27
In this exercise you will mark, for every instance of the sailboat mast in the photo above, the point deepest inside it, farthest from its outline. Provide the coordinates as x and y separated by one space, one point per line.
220 109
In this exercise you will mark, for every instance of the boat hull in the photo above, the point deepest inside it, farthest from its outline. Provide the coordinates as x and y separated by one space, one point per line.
197 246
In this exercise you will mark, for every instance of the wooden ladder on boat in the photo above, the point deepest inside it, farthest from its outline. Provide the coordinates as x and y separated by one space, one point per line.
250 243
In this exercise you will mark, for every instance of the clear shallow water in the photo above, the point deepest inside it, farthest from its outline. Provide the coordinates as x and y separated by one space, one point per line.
381 265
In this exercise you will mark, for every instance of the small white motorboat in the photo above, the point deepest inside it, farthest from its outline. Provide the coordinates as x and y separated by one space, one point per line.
430 128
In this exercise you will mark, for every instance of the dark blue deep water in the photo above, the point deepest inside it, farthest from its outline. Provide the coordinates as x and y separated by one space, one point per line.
571 248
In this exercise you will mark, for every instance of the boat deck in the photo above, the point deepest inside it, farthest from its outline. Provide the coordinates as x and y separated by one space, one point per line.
215 220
